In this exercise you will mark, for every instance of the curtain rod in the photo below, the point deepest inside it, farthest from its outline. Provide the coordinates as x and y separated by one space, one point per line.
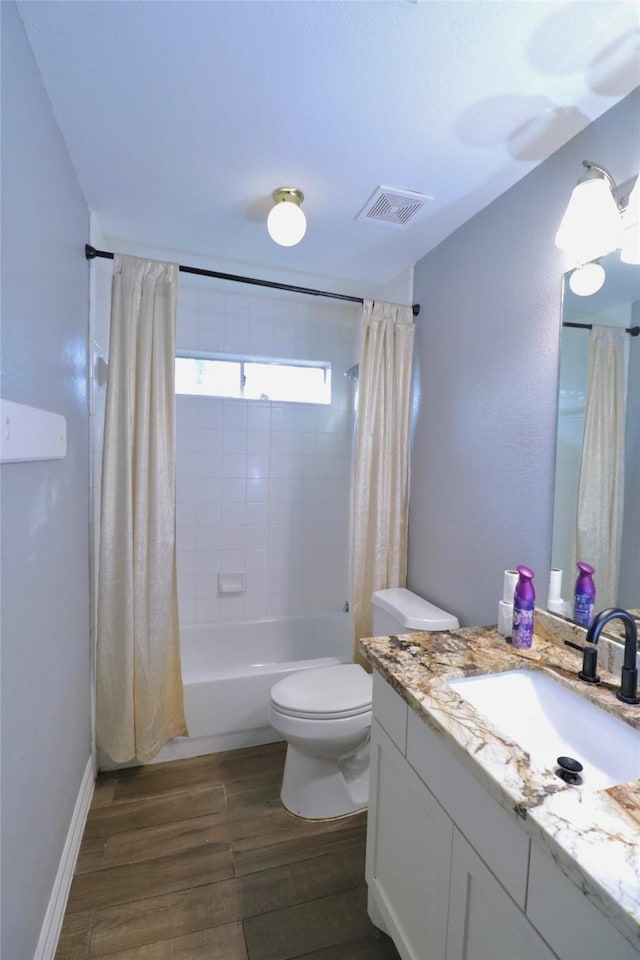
91 253
634 331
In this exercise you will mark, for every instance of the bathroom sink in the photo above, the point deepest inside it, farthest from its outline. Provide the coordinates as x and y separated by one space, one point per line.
549 720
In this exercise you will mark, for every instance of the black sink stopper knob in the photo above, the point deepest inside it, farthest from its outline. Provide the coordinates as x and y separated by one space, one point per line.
570 769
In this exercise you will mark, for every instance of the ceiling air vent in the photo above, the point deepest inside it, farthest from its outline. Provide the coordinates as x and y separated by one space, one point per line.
395 208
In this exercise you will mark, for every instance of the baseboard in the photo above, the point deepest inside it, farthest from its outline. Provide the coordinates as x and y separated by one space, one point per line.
183 748
52 924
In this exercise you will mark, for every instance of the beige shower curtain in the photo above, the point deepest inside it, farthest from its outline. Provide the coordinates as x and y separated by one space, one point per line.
138 677
380 484
600 502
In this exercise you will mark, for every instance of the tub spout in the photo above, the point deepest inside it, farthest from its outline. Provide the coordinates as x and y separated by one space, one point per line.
628 691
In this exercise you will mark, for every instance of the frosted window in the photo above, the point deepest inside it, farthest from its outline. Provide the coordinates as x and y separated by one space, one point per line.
279 381
208 378
288 381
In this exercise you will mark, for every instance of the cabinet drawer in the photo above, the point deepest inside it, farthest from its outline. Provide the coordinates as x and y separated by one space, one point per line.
494 832
390 711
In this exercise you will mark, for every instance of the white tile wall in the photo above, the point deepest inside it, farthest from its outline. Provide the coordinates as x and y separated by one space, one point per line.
263 488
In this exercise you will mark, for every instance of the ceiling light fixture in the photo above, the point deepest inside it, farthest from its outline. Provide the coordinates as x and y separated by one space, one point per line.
286 222
591 225
587 279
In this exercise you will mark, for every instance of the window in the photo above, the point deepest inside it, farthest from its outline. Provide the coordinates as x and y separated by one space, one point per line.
208 378
207 375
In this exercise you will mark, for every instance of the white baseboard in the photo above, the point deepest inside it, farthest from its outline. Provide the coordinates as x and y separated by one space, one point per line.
182 748
52 924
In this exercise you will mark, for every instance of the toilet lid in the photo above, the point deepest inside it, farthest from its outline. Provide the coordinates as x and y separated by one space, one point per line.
329 692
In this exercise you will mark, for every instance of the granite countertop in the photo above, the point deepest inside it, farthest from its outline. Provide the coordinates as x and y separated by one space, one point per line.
594 836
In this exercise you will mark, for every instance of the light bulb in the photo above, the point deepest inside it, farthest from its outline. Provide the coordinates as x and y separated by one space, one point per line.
586 280
286 223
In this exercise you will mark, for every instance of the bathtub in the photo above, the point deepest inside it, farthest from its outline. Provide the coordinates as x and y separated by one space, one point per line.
228 670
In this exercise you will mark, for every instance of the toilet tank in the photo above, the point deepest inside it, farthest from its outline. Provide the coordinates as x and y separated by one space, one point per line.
397 610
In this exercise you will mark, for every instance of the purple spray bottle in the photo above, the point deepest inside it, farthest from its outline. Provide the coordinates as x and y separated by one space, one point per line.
524 600
585 595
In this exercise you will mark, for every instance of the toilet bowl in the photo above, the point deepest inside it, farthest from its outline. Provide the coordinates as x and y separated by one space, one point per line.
324 714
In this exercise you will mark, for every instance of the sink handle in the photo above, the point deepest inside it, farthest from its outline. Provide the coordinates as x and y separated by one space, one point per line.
589 672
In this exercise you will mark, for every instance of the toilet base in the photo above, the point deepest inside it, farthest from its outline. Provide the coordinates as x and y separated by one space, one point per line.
317 789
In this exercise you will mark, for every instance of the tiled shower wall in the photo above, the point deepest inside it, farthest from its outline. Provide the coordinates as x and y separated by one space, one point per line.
262 487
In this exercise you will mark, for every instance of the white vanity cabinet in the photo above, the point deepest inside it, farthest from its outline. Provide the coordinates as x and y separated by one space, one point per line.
452 874
407 868
567 919
484 922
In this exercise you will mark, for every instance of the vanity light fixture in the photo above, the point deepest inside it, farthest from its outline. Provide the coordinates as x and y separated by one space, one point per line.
286 222
587 279
591 225
630 252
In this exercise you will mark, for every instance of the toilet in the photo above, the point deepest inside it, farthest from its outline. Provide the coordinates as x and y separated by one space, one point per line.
324 714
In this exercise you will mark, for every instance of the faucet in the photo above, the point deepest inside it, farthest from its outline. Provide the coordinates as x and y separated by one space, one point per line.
628 691
589 661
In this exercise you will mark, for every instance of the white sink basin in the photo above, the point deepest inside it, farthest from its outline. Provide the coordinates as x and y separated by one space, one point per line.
549 720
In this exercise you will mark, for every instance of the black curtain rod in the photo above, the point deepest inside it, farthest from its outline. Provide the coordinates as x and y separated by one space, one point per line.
634 331
91 253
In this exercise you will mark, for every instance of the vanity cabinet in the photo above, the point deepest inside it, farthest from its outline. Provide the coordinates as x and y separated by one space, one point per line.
567 919
452 874
408 869
484 922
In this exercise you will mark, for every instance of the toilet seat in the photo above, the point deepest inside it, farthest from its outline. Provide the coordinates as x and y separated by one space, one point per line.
324 693
321 715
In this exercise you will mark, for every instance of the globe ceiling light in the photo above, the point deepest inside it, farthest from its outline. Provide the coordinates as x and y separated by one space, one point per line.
587 279
591 225
286 222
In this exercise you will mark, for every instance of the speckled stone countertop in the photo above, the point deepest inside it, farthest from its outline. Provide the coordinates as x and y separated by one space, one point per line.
594 836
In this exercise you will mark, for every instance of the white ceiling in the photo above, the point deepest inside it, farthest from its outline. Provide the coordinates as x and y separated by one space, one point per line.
182 117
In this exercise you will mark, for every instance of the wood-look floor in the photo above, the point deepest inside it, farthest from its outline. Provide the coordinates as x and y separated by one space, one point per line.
198 860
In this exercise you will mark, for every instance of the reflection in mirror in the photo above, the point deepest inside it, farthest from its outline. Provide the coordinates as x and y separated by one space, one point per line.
597 481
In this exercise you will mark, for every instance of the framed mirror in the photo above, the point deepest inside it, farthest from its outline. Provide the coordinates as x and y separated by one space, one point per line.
597 473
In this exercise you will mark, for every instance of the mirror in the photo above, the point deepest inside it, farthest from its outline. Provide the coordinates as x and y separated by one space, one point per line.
616 304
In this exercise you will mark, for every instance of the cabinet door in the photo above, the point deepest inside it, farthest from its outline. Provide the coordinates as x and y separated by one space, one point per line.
484 922
408 854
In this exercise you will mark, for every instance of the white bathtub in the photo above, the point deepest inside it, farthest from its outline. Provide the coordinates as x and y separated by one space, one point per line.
228 670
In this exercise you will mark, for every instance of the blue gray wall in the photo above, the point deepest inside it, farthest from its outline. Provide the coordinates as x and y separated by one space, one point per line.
486 381
45 583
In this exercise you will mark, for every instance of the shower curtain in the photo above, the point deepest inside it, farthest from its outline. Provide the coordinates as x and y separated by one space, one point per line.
139 702
600 501
380 484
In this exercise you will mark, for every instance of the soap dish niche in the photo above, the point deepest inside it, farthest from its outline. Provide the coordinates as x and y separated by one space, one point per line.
231 583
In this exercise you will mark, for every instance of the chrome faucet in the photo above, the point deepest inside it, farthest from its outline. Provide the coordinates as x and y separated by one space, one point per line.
628 691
